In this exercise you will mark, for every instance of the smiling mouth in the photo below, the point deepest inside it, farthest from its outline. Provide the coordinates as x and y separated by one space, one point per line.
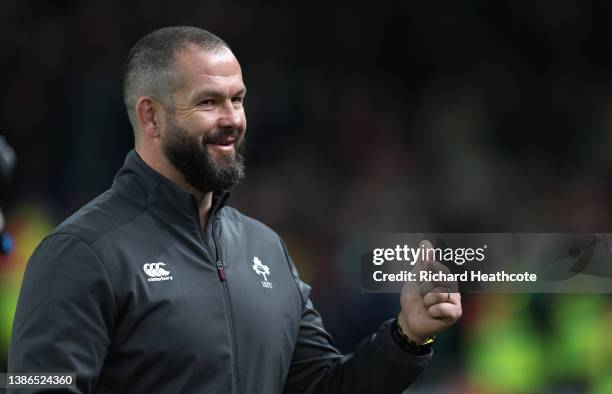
225 142
223 138
225 145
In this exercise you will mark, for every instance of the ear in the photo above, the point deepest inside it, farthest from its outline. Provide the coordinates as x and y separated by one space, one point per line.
149 114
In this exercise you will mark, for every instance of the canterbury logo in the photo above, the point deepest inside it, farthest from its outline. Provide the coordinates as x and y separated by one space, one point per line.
156 272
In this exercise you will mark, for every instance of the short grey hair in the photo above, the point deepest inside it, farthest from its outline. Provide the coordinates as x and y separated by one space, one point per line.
149 69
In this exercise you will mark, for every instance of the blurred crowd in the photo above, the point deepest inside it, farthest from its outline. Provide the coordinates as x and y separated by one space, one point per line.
438 116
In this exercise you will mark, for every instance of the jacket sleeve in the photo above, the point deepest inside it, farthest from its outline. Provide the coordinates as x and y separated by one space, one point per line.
64 314
377 364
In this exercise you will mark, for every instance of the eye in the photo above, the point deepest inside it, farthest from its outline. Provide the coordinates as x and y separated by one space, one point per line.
238 99
207 102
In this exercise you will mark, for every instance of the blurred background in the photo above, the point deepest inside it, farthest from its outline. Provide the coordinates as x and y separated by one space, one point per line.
437 116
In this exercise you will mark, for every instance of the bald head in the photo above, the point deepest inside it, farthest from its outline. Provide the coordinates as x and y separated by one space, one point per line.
151 65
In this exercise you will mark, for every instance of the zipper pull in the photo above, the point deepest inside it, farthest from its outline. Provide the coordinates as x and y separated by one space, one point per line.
221 271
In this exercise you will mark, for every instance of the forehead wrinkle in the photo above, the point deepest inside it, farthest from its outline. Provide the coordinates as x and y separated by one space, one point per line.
227 87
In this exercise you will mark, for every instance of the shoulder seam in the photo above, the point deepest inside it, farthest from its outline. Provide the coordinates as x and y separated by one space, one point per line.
99 235
142 210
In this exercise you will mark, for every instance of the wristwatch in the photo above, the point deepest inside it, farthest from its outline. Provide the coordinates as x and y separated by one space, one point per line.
407 344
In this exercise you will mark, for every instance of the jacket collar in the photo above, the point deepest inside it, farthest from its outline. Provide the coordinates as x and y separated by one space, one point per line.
145 187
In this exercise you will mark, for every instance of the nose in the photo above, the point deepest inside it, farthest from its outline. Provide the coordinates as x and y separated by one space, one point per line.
230 117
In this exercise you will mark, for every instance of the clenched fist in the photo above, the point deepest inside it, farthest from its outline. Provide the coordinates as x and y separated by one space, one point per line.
428 307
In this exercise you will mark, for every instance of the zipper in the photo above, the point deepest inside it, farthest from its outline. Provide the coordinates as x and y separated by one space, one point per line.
223 279
220 271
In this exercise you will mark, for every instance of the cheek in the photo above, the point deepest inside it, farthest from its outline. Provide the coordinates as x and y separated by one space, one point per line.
200 125
244 120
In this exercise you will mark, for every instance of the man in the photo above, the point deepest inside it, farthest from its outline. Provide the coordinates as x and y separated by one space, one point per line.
157 286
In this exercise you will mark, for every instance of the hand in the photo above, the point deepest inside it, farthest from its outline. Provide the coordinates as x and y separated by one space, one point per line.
428 308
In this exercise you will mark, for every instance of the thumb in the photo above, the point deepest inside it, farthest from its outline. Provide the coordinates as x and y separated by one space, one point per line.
420 264
423 263
424 256
427 262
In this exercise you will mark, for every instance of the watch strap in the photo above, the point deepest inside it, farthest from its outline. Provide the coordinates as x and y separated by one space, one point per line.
407 344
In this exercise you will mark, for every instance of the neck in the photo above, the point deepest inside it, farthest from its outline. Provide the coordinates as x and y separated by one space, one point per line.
161 165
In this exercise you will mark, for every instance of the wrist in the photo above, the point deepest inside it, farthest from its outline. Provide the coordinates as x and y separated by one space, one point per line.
406 332
407 344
